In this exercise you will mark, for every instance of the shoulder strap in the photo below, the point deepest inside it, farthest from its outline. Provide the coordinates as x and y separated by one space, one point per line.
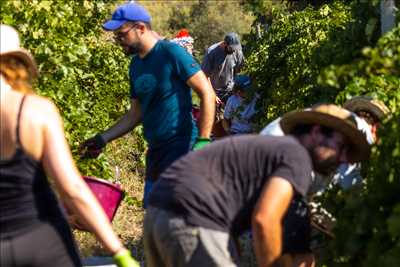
18 141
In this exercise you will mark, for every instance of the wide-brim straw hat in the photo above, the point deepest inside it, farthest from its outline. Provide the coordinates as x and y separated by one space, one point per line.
10 46
367 103
336 118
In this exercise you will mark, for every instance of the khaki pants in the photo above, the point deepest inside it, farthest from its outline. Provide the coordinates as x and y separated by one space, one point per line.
218 129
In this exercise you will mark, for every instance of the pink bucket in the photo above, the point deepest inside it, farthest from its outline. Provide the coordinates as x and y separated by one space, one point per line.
108 194
196 113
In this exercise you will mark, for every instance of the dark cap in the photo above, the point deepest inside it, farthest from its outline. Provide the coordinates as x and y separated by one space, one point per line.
242 82
125 13
232 40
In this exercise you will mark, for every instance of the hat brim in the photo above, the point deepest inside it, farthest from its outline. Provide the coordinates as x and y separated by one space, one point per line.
362 104
26 58
359 149
113 25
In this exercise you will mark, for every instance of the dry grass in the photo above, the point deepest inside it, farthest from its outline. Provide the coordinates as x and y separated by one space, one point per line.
128 220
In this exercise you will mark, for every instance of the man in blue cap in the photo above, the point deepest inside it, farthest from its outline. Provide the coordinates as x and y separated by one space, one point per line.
161 75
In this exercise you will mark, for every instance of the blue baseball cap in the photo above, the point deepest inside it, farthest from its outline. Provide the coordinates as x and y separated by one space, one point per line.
125 13
242 81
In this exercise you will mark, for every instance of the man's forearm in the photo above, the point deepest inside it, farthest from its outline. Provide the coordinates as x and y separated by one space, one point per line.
207 114
127 123
267 243
202 86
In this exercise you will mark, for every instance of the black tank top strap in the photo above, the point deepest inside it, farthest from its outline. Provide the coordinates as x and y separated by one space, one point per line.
18 140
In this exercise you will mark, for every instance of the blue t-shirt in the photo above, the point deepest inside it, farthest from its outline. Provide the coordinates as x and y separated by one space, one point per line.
158 81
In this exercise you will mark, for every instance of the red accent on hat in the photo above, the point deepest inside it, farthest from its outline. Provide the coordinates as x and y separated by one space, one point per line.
182 33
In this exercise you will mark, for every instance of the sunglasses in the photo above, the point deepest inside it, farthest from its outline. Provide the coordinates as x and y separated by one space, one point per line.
120 35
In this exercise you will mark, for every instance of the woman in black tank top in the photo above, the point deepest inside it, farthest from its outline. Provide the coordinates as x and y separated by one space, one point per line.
33 229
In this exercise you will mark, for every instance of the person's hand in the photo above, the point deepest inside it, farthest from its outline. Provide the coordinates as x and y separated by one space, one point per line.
201 142
92 147
124 259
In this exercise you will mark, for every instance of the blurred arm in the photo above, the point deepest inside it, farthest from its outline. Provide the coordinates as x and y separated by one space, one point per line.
127 123
58 164
267 220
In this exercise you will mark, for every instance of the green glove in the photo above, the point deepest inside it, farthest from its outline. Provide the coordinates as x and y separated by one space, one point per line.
201 142
124 259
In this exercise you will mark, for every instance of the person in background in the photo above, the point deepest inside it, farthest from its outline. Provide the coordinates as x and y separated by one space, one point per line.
369 112
221 63
372 111
161 75
33 229
238 114
184 39
209 197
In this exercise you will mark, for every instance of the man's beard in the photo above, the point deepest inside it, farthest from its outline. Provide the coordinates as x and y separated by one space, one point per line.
133 49
229 50
324 166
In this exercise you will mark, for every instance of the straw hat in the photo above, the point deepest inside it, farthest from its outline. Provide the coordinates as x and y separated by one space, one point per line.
10 46
367 103
333 117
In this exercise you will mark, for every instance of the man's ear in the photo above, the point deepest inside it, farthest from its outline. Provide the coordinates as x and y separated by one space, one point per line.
141 27
374 129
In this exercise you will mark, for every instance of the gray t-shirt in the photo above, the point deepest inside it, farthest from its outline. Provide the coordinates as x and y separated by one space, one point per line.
221 68
218 187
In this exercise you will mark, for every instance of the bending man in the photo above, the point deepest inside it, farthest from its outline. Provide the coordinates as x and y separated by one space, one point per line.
209 197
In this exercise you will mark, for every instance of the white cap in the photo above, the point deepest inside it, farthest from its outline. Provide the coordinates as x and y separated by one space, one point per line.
10 46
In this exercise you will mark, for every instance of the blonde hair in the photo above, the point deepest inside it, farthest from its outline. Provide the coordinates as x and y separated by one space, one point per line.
16 73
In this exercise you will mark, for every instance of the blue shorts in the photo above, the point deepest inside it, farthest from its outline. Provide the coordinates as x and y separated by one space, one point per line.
158 159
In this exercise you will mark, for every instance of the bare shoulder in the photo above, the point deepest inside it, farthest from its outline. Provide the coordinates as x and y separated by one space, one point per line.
42 103
42 109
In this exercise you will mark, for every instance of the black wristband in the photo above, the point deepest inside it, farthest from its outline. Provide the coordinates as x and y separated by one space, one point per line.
99 140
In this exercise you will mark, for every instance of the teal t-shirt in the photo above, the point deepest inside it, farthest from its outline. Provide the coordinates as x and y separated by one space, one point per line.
158 81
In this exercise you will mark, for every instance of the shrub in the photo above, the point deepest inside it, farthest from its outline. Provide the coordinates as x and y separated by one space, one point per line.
289 57
368 233
84 73
332 53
